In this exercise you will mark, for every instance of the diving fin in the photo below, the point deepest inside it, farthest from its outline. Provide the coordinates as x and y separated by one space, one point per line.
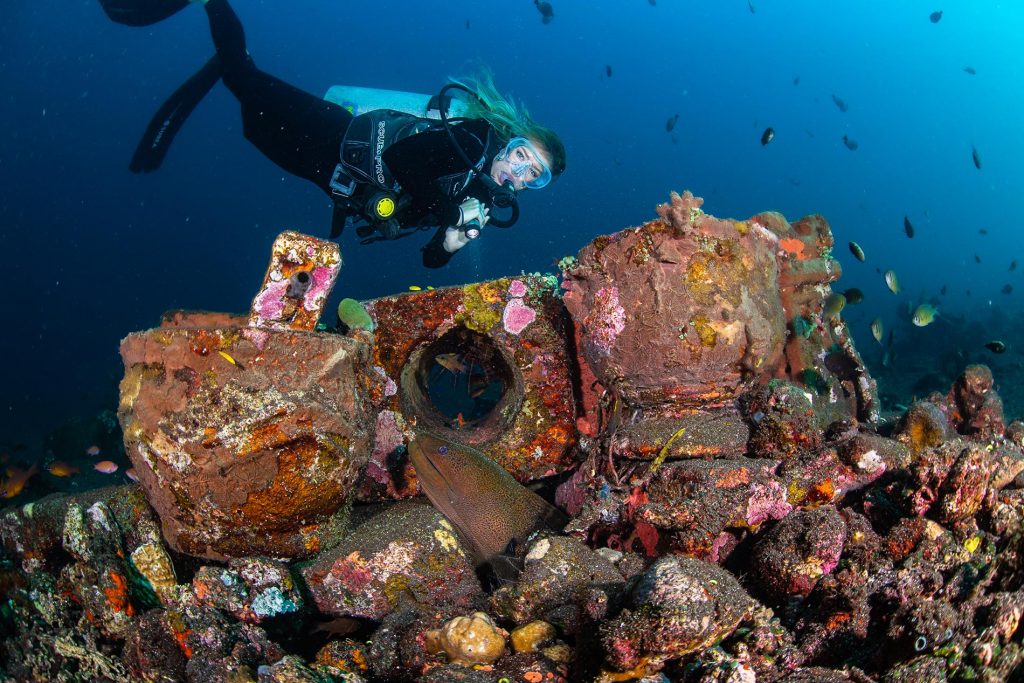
171 116
141 12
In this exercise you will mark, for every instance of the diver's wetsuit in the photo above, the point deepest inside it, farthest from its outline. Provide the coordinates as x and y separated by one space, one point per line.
302 133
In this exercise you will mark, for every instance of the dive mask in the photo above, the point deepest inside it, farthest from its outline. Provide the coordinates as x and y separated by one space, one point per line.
525 163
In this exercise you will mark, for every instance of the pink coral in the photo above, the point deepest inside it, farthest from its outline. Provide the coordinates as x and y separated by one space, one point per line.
516 288
766 502
606 319
323 280
270 302
517 316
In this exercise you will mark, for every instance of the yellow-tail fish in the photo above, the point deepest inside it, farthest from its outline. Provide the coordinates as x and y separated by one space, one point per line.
230 359
833 305
877 330
485 503
891 282
924 315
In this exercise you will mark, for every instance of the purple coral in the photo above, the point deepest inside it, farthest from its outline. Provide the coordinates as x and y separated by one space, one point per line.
517 316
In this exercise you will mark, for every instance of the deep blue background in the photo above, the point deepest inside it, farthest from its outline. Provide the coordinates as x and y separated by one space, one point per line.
93 252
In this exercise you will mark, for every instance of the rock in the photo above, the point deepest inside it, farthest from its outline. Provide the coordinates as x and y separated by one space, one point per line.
790 558
34 533
924 425
223 651
250 589
292 669
702 304
152 650
256 455
468 640
964 489
783 421
511 334
408 551
868 452
979 410
698 501
680 605
344 656
558 570
819 355
530 637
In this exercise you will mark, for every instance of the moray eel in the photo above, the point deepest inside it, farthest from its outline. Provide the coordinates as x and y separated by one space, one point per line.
492 510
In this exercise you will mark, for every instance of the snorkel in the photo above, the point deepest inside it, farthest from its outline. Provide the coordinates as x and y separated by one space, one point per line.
502 196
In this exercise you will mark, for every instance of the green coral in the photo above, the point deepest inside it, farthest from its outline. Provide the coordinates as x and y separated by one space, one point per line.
352 313
482 306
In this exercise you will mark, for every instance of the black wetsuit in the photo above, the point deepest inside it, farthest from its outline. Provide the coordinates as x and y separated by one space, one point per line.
302 133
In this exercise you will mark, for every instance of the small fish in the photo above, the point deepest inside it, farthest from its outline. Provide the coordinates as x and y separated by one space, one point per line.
228 358
982 231
105 466
833 305
652 3
750 6
943 290
16 480
857 252
415 288
971 70
1006 289
671 123
934 17
977 259
452 362
1013 265
908 227
850 143
608 70
975 157
467 24
877 330
796 80
767 136
59 468
891 282
547 12
92 451
853 296
843 106
924 315
995 346
131 474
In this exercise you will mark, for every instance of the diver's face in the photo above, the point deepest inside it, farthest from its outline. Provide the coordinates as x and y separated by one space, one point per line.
524 165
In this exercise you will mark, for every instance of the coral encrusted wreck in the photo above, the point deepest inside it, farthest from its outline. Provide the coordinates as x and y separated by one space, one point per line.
737 510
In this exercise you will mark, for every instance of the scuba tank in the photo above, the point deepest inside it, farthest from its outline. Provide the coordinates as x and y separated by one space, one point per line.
361 100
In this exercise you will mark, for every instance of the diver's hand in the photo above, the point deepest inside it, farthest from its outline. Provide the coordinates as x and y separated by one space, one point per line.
473 211
454 239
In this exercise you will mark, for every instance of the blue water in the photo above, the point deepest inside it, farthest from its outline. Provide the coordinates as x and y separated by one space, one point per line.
94 252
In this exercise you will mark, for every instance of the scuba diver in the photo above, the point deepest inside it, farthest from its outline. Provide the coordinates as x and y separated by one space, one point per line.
389 172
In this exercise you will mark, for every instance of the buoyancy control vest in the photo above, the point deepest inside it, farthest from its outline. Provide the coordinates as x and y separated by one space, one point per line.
362 186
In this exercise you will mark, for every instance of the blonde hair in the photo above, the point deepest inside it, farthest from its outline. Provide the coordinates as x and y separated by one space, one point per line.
508 118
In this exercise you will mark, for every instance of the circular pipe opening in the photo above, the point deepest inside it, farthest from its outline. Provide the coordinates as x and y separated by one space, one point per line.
462 382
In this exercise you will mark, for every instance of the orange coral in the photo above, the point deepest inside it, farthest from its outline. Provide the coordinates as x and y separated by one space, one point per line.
794 246
117 594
